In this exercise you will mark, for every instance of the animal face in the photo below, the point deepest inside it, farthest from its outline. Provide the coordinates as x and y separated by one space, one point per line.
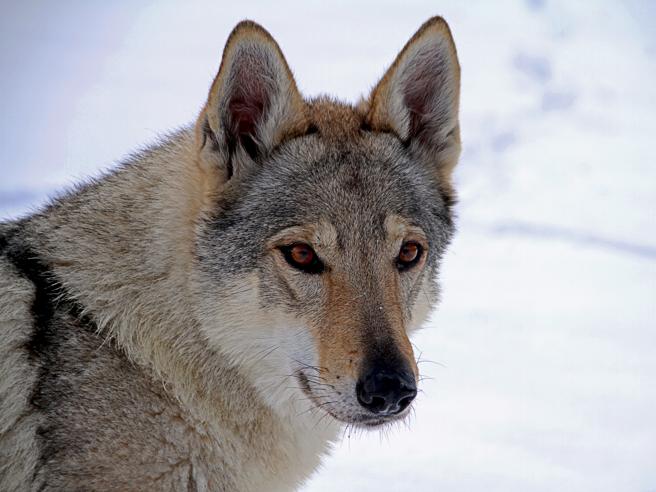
319 252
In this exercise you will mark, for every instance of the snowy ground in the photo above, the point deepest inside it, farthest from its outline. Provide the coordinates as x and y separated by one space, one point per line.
545 344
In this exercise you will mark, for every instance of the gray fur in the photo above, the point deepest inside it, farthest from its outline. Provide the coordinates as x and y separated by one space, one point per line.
152 337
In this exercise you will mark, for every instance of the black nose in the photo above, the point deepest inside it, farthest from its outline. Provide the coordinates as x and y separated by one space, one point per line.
386 392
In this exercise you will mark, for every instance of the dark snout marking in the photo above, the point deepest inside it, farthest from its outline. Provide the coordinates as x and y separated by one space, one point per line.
386 392
387 384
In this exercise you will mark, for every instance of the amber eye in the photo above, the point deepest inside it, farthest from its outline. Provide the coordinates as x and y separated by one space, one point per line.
302 257
409 254
301 254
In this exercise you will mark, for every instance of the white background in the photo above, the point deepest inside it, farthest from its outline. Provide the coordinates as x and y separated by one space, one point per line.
544 348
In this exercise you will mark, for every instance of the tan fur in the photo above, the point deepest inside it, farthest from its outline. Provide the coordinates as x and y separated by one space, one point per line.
333 120
191 383
339 331
339 339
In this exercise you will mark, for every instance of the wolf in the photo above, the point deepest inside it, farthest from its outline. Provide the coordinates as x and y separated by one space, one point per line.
210 314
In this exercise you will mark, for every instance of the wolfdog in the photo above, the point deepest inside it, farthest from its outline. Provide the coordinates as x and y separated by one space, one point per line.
209 314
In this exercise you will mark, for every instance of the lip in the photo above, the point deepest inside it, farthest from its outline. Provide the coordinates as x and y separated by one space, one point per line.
368 421
372 421
305 386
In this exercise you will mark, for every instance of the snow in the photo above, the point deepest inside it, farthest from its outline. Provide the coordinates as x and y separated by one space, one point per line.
540 362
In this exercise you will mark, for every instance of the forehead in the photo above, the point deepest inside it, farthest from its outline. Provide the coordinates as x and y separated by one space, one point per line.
354 184
341 174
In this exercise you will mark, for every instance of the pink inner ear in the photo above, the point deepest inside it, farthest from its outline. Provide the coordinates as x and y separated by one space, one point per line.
248 102
245 114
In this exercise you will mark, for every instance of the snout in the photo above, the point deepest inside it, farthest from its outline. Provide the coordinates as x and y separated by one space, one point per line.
386 391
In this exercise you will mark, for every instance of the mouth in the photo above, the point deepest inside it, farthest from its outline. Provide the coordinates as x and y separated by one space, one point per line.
362 419
307 390
374 421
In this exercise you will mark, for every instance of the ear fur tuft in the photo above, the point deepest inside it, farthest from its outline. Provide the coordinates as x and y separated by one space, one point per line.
418 97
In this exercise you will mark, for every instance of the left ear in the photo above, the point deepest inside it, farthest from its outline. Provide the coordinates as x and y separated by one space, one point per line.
252 107
418 97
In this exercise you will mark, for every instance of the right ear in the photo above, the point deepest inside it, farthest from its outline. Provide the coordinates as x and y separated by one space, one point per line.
418 98
253 104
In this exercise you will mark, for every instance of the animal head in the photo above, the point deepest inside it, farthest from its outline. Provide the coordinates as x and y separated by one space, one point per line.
319 252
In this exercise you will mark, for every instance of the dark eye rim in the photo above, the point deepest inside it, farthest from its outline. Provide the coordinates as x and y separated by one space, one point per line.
403 266
313 268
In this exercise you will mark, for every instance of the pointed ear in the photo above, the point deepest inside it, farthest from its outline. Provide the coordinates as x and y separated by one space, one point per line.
253 104
418 97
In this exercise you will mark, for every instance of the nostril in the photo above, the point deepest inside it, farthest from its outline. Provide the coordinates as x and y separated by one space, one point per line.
377 404
405 402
